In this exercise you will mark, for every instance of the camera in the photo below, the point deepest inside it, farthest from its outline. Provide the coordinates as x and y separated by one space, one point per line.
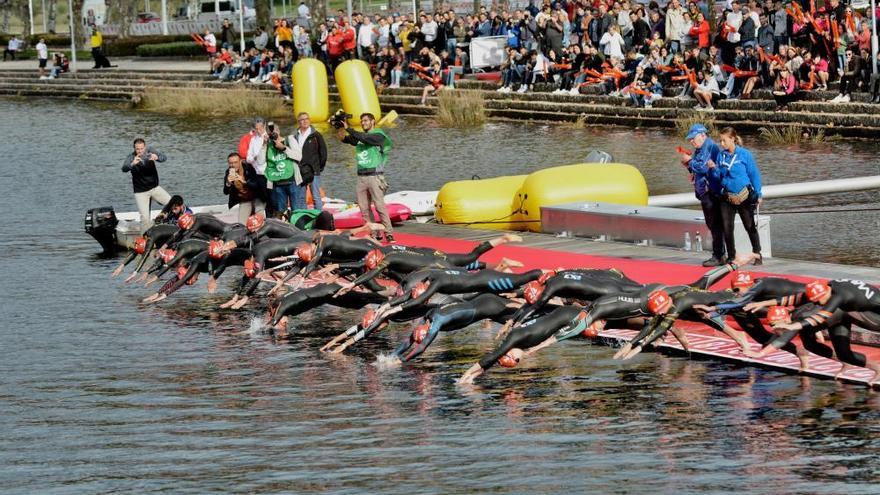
337 120
270 128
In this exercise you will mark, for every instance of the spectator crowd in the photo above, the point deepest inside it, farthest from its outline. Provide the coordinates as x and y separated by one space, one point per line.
705 51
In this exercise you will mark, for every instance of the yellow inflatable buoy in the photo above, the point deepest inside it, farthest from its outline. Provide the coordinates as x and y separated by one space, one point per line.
482 204
356 90
602 182
310 89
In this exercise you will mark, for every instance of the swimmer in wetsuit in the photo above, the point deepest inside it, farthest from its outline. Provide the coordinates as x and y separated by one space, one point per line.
839 304
303 300
525 337
264 255
454 317
156 235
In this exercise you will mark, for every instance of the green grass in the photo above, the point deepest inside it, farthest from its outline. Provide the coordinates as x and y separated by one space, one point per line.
792 134
460 108
198 102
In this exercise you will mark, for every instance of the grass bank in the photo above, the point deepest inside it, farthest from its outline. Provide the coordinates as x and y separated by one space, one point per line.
460 108
198 102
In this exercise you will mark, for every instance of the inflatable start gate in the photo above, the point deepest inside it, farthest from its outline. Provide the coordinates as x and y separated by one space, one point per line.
353 81
514 202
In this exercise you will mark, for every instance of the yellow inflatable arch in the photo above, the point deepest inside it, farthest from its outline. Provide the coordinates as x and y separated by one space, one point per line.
481 204
310 93
514 202
356 90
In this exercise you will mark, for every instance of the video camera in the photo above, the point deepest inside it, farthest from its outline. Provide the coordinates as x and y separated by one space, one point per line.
337 120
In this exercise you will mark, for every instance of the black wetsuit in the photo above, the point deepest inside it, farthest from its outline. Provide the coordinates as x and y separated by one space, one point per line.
398 264
532 333
263 253
156 235
456 316
303 300
205 226
683 302
185 250
851 301
585 285
461 281
277 229
616 307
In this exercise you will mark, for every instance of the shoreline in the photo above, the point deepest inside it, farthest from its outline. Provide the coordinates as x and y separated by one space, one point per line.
127 83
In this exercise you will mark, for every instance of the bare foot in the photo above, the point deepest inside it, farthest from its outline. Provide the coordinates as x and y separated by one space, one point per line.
804 358
241 302
623 350
230 302
844 368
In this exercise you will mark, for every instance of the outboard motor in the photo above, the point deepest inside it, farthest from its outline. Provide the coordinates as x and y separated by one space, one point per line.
598 156
101 223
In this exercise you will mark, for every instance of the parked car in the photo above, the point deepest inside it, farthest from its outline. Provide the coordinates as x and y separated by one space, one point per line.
145 17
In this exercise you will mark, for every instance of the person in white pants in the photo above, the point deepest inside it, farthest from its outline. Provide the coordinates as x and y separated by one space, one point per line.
145 179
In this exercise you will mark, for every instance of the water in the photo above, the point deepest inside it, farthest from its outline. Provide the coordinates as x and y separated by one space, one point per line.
101 394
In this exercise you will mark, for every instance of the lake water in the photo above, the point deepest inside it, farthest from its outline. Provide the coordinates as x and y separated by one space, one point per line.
101 394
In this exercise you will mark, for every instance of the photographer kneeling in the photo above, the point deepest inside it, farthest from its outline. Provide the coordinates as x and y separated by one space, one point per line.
371 151
282 169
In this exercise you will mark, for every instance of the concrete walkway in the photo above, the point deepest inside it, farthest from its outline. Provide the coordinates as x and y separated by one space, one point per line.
123 64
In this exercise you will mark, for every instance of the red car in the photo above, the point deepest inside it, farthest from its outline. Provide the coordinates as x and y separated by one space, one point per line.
145 17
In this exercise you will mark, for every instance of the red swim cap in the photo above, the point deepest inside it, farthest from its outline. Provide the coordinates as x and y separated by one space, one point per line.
251 268
418 290
181 272
254 222
167 254
140 245
186 221
508 361
742 281
306 251
216 248
373 258
421 332
659 302
778 314
532 291
544 276
592 331
816 290
368 318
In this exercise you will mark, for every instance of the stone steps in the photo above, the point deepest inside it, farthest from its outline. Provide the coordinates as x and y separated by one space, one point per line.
855 118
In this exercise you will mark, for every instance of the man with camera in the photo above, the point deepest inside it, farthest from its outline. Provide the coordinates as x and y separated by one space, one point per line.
145 179
371 152
282 155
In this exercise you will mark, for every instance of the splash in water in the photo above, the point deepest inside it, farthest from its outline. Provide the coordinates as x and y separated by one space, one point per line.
387 361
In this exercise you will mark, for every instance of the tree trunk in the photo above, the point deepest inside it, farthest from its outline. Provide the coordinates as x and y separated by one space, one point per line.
25 16
127 10
52 12
78 28
4 24
262 7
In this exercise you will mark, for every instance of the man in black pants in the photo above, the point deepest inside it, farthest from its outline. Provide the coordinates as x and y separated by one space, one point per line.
707 187
314 154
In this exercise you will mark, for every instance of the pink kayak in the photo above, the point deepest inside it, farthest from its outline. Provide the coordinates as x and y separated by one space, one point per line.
351 217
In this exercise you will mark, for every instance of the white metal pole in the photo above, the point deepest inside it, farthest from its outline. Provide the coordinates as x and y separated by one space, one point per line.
43 10
284 8
782 190
874 35
147 6
415 12
165 17
241 23
31 12
350 21
72 37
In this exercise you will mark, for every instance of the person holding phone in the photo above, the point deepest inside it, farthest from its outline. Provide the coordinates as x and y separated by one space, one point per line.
141 163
